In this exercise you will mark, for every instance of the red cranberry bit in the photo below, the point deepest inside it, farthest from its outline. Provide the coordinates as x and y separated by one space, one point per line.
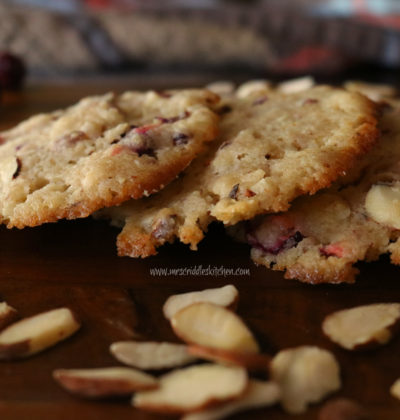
249 193
282 243
234 191
18 170
163 94
167 120
332 250
261 100
12 71
275 234
117 150
2 140
138 149
172 120
310 101
144 128
180 138
72 138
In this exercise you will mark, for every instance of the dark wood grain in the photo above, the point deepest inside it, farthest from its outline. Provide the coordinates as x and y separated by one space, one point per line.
74 263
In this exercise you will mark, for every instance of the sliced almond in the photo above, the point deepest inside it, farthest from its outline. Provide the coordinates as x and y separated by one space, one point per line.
259 394
224 296
222 87
296 85
34 334
251 361
395 389
305 375
151 355
253 87
9 167
374 91
193 388
382 204
104 382
210 325
343 409
363 326
7 315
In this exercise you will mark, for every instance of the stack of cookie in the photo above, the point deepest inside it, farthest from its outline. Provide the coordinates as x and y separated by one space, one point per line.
164 165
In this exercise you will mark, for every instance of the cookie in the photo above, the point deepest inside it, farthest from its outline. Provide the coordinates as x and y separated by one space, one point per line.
358 219
271 149
100 152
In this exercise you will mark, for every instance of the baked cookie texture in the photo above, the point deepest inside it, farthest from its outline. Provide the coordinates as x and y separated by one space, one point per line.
100 152
321 237
272 148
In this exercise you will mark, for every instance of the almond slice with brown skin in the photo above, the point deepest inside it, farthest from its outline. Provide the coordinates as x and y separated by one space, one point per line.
251 361
224 296
7 315
32 335
104 382
363 327
193 388
151 355
210 325
259 394
305 375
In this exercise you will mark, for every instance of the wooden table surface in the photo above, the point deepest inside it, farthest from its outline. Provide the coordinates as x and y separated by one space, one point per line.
74 263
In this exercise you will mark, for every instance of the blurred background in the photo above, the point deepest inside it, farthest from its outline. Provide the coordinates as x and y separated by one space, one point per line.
188 41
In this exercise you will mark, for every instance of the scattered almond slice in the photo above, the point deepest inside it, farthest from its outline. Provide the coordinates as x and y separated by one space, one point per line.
224 296
250 361
296 85
382 204
395 389
305 375
343 409
193 388
259 394
363 326
151 355
210 325
104 382
7 315
34 334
